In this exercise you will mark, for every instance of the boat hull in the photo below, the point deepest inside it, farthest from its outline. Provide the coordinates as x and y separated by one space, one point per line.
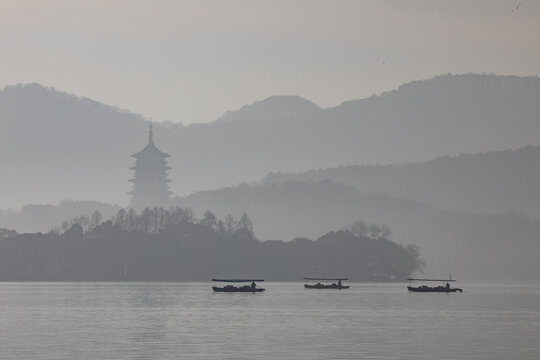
236 289
433 289
308 286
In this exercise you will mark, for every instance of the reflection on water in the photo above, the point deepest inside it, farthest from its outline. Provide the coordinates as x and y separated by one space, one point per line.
188 321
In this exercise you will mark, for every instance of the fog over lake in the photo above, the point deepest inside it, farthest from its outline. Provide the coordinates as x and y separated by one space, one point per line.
148 147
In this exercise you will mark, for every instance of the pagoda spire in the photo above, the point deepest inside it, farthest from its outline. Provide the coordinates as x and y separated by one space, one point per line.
150 133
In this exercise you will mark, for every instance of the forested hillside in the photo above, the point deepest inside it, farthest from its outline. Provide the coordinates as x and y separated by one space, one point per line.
173 245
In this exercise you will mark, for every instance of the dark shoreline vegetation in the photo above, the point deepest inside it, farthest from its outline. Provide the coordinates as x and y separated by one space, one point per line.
173 245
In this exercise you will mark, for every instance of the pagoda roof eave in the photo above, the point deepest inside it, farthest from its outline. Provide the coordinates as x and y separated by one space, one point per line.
150 148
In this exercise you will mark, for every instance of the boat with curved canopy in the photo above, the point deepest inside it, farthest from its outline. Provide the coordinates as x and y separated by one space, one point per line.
252 288
445 287
327 283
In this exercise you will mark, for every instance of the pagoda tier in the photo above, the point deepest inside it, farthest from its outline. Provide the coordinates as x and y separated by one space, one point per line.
150 183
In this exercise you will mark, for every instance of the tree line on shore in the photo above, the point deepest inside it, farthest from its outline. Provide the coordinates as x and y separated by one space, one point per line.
160 244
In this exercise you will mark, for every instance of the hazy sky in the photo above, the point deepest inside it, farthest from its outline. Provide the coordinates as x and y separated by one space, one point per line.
190 61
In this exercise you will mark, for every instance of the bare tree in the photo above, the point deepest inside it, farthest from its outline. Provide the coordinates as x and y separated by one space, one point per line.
187 215
359 228
209 220
120 219
84 221
385 231
95 220
230 224
131 221
66 224
220 227
144 220
245 225
374 231
155 221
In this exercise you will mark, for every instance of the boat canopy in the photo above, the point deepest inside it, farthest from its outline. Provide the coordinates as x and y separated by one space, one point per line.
326 279
237 280
412 279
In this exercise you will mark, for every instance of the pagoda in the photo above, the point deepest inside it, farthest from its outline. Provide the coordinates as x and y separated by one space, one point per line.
150 184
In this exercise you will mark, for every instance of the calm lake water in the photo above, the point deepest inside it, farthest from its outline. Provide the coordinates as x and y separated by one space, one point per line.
188 321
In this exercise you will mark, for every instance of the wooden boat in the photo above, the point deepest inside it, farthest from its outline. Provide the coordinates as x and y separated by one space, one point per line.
252 288
445 288
320 285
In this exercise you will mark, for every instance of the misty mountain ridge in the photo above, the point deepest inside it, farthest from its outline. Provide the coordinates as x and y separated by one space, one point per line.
72 142
492 182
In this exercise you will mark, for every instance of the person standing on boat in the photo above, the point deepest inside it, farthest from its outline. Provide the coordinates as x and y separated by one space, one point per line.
339 283
253 285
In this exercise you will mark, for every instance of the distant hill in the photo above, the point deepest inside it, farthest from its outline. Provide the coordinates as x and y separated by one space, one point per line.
55 145
274 109
492 182
469 246
43 218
